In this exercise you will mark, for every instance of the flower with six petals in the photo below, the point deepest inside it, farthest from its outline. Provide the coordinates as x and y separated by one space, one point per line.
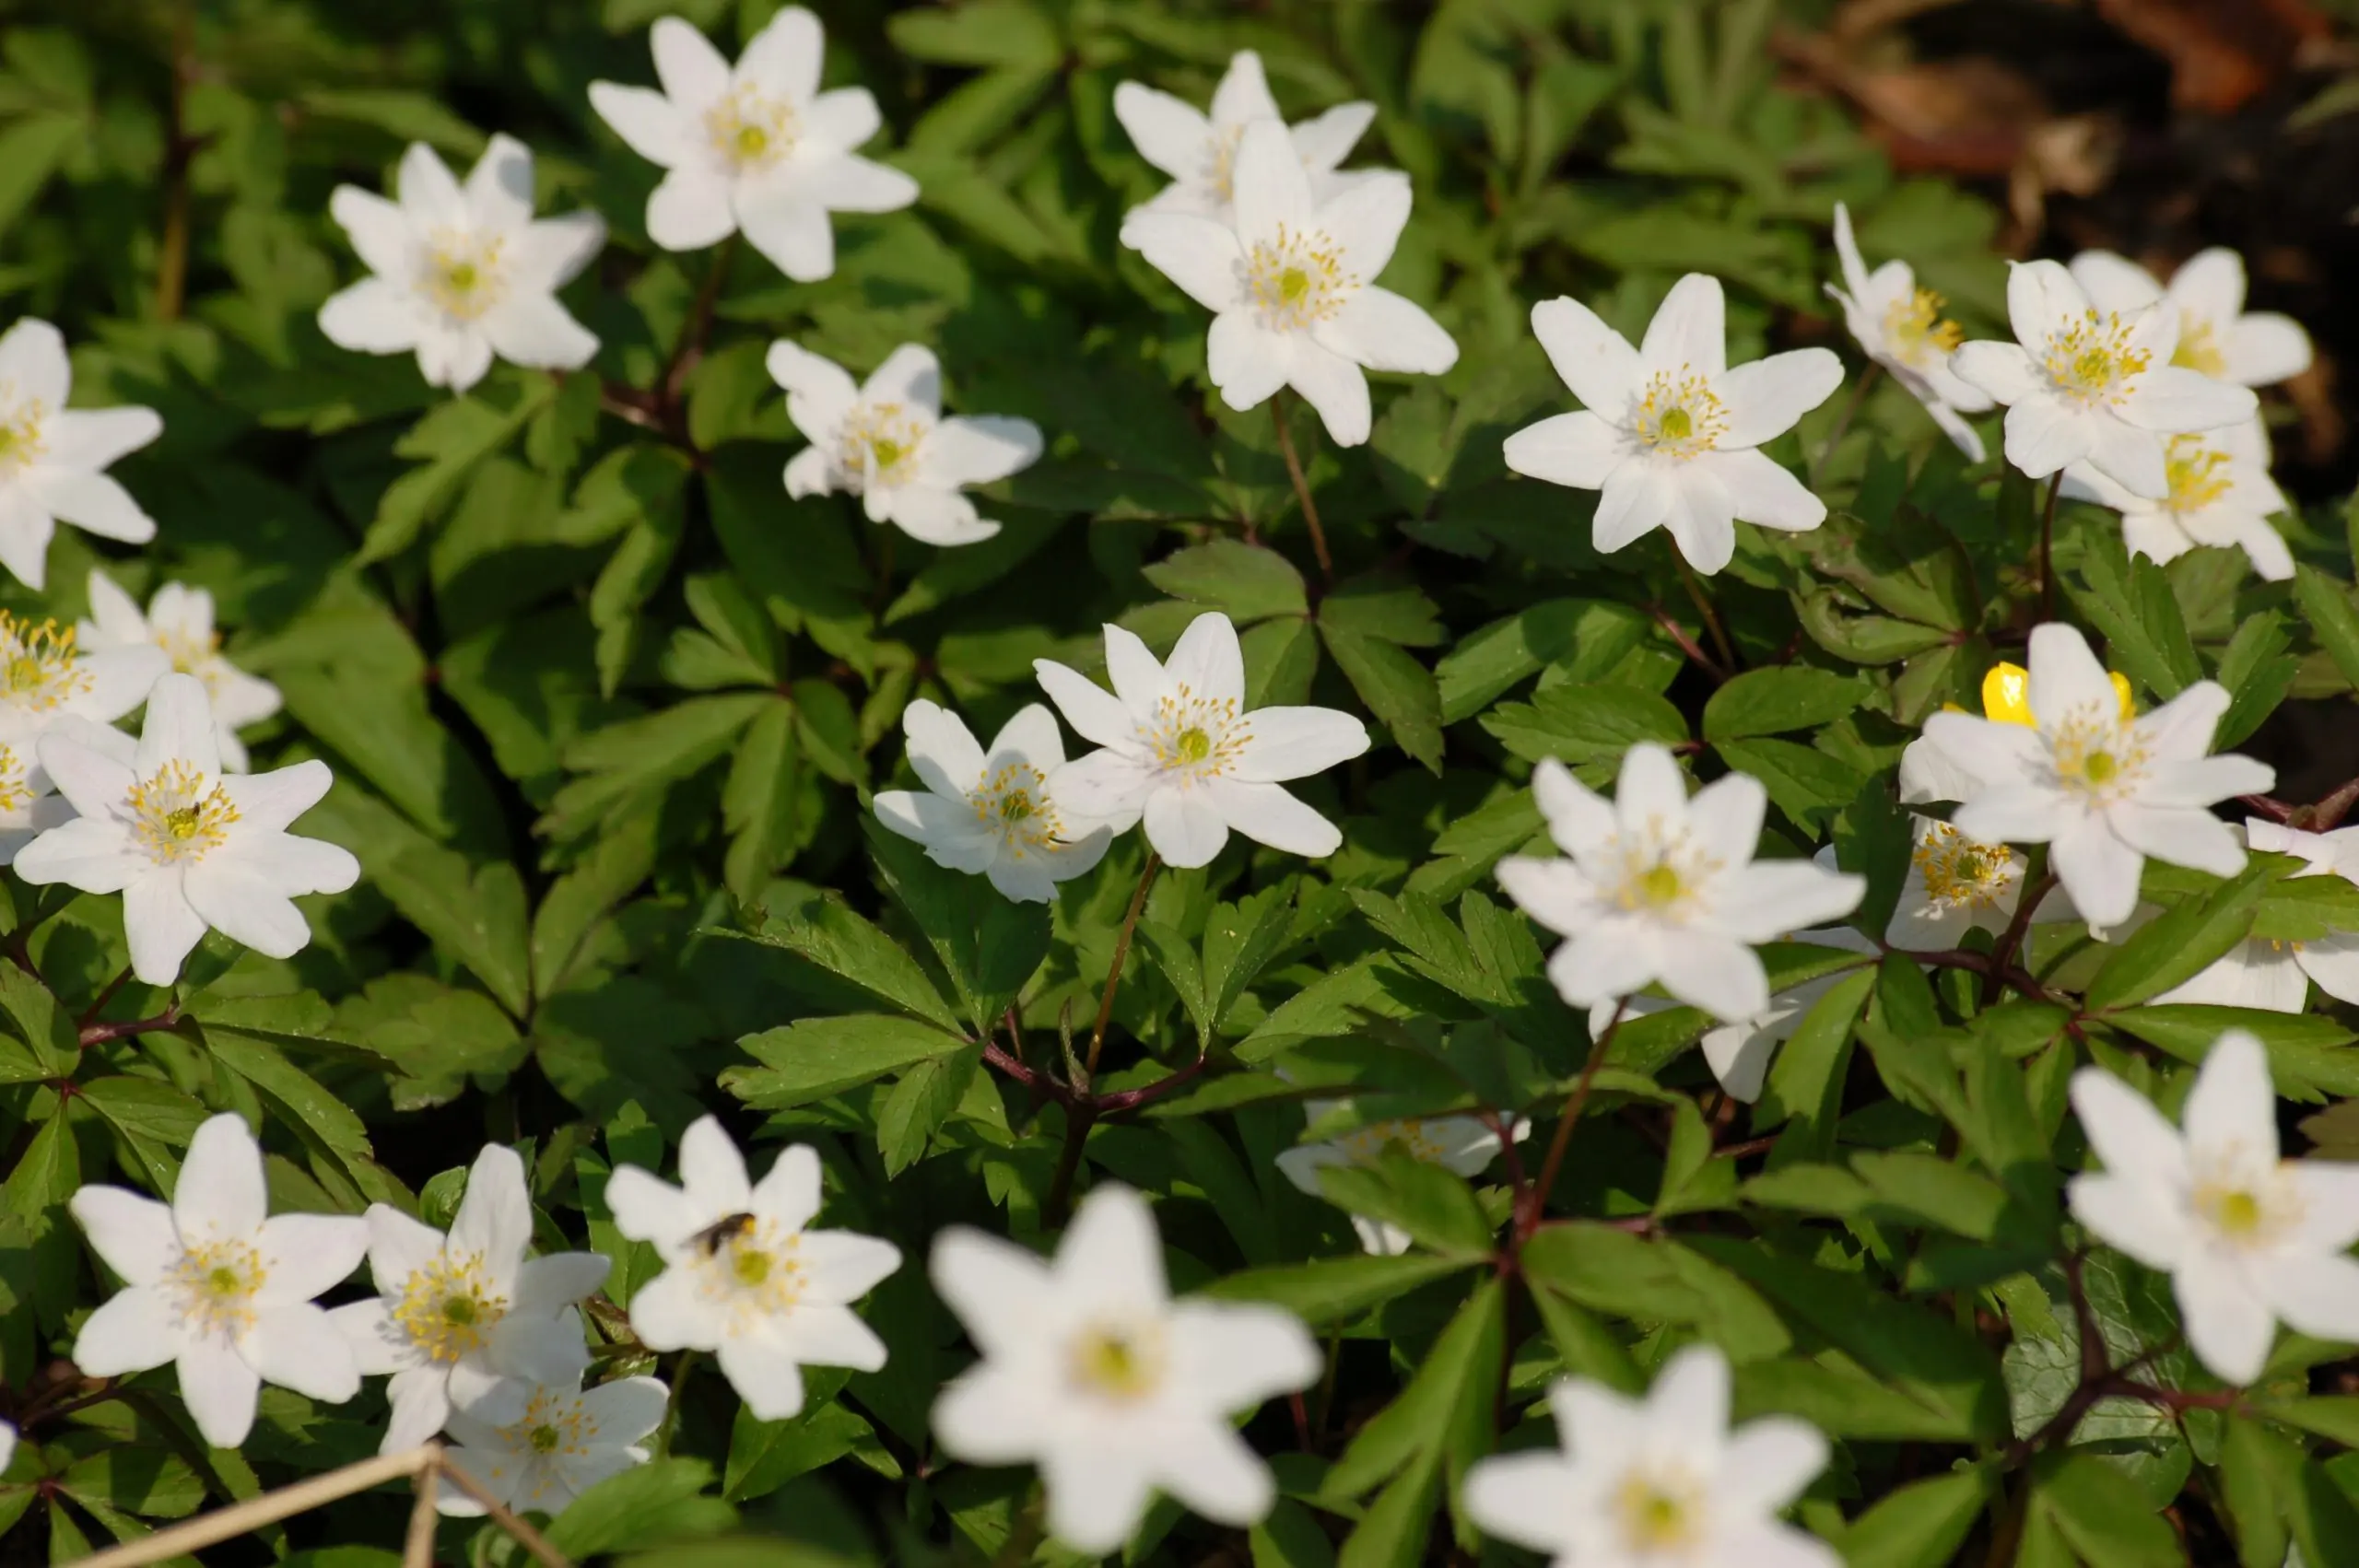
991 811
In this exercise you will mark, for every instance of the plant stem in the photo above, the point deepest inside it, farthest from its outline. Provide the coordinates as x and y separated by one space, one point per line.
1121 954
1704 608
1080 1117
91 1013
2048 549
1302 491
690 348
171 251
1851 407
1536 1198
531 1539
680 1370
1687 645
417 1546
100 1034
244 1519
2038 881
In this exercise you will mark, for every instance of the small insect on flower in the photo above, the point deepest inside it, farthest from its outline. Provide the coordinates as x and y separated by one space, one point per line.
721 1233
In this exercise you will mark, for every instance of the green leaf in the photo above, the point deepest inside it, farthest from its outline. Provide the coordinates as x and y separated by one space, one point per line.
1461 1371
828 932
1782 697
1397 690
2327 609
2308 1056
1434 1206
642 1506
990 945
1922 1524
1334 1290
2104 1516
820 1057
453 438
2131 601
1590 640
1807 785
2181 942
38 1039
1584 724
1248 582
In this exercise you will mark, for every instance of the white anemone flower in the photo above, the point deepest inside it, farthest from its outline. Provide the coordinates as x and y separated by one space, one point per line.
50 680
1670 434
1739 1053
1292 285
1183 753
1902 328
1958 884
1464 1146
54 459
2097 386
1198 150
889 443
991 811
2104 789
1656 1481
756 146
2220 493
1091 1370
1659 889
445 1302
458 273
179 620
187 847
537 1440
746 1276
2276 975
2248 1240
216 1283
2217 336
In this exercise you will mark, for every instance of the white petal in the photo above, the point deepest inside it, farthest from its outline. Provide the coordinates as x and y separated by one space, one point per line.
1247 361
305 1255
2002 371
1030 736
1105 786
1688 329
788 1195
1766 397
693 72
220 1194
1294 743
942 749
2043 436
1724 979
131 1332
1207 663
943 518
977 450
1095 713
1242 94
1580 450
1521 1499
2170 399
1381 330
298 1348
2098 870
451 358
1000 1292
429 197
713 1170
788 227
97 504
650 124
551 253
33 361
1214 1472
1096 1493
499 187
786 56
1185 827
1272 188
1762 492
1635 501
1334 386
1169 134
373 317
670 1312
219 1389
2042 301
2265 348
134 1234
2115 284
1364 221
2232 1104
91 438
846 183
1198 254
690 209
2314 1295
1689 1401
1594 361
1268 814
764 1375
2228 1326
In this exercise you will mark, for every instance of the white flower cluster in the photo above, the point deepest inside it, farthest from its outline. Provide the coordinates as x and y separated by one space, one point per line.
1178 752
172 822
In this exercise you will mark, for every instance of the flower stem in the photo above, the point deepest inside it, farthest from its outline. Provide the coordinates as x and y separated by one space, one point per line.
1536 1196
698 326
2048 549
1302 490
1704 608
244 1519
91 1013
2037 880
1121 954
1851 407
680 1370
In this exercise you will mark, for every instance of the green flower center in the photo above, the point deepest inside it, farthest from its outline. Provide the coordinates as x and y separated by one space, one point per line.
1676 423
751 1264
1119 1361
459 1311
1194 746
2098 767
224 1281
2239 1214
1016 806
1660 884
463 278
1652 1519
752 141
1293 284
887 453
545 1439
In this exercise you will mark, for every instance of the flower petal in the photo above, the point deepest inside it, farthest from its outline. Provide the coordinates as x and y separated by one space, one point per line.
1594 361
134 1234
91 438
1384 331
1247 362
1268 814
134 1330
1272 191
693 72
296 1347
650 124
33 361
1580 450
2265 348
96 504
2113 282
1688 331
305 1255
977 450
1334 386
1184 825
1294 743
1365 221
1169 134
785 58
219 1195
1766 398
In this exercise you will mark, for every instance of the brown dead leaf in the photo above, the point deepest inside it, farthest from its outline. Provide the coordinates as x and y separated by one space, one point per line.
2222 52
1971 117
